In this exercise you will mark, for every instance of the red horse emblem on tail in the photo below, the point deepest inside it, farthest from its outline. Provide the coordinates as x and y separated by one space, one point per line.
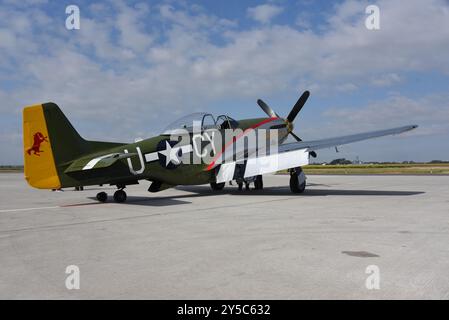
36 148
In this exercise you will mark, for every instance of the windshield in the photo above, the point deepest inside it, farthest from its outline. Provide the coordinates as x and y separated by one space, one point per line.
202 119
225 122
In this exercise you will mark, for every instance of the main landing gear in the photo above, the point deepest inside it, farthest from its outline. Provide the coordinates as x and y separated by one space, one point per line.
102 196
258 183
119 196
297 180
217 186
257 180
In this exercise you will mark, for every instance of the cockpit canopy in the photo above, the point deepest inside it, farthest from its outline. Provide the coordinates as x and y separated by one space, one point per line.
201 120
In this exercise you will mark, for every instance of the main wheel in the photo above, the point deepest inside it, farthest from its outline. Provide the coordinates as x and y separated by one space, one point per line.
217 186
258 183
120 196
297 181
102 196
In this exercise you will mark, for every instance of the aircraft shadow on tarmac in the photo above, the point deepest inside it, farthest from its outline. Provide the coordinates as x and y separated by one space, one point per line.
152 201
285 191
204 191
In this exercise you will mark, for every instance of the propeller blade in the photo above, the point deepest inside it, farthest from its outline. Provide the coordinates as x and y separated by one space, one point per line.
270 112
298 106
295 136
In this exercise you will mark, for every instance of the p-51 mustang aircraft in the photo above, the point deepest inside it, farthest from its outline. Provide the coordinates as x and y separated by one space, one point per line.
56 156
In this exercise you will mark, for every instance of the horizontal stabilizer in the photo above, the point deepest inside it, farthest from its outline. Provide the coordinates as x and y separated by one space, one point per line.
97 162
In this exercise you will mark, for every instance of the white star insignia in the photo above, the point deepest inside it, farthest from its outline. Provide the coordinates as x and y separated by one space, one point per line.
171 154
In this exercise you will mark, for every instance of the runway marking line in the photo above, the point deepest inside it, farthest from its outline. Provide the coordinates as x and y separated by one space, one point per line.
79 204
54 207
28 209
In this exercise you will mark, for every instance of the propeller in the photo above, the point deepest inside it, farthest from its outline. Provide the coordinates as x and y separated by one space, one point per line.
291 116
295 136
298 106
266 108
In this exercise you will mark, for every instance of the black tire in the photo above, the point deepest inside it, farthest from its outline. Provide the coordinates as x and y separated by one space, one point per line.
217 186
120 196
102 196
258 184
295 186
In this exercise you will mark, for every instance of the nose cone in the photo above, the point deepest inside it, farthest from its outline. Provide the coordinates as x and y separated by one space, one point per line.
286 128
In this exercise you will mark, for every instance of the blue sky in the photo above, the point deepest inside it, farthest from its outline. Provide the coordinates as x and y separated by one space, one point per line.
134 66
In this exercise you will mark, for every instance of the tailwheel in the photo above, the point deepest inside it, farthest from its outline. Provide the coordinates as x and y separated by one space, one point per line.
258 183
120 196
102 196
217 186
297 180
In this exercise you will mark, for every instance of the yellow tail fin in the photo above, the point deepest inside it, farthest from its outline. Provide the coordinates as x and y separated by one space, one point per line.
39 163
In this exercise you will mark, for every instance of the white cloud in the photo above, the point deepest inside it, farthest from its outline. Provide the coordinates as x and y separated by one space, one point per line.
131 35
7 39
264 13
429 112
303 20
346 87
25 3
196 22
386 80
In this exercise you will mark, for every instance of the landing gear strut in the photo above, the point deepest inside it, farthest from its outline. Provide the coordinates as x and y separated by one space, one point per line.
297 180
258 183
120 196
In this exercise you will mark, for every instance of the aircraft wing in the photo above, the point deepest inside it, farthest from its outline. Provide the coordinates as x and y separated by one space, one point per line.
293 155
338 141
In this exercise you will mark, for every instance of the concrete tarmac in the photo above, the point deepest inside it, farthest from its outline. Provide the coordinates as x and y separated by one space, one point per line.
193 243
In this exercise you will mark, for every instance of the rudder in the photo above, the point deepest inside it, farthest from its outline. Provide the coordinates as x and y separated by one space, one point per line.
39 163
